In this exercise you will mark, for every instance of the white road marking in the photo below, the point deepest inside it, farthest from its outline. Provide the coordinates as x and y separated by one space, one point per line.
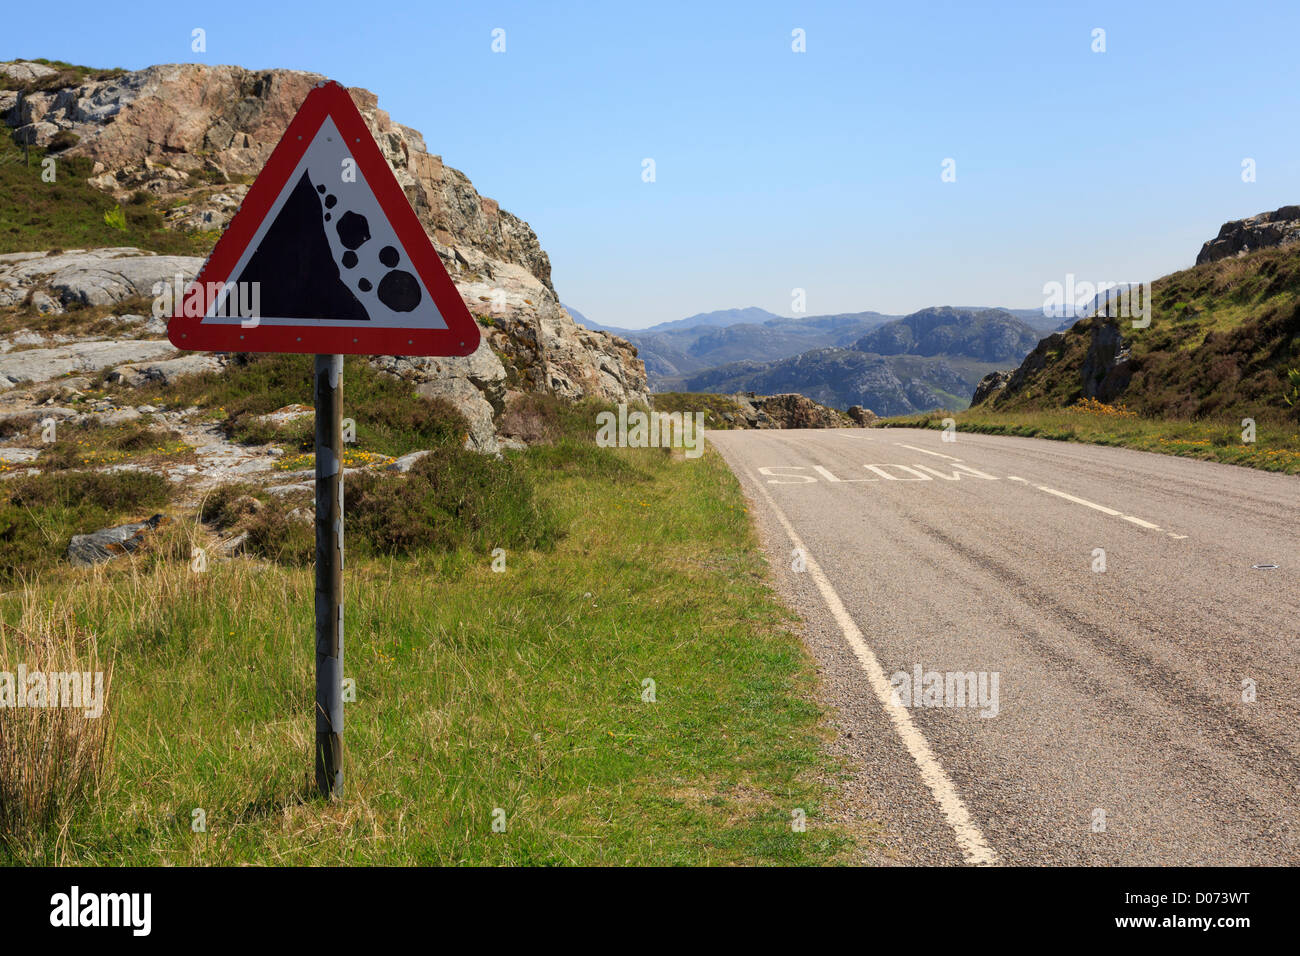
1109 511
1016 478
1140 523
925 452
826 473
957 470
974 847
1081 501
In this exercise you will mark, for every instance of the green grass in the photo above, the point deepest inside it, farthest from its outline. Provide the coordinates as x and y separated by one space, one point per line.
39 514
1276 446
476 690
69 213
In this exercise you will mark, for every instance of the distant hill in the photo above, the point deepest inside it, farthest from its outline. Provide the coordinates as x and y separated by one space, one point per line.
586 323
669 356
719 319
676 353
991 335
886 384
1034 318
930 359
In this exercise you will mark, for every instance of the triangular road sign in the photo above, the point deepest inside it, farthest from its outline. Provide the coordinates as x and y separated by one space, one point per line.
325 255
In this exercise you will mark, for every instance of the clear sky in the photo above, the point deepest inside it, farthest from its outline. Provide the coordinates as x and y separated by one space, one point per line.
777 170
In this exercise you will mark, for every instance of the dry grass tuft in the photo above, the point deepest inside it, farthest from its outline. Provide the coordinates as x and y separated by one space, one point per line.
51 757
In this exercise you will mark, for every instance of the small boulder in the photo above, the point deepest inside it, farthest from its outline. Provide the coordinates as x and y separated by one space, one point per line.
109 543
862 416
406 461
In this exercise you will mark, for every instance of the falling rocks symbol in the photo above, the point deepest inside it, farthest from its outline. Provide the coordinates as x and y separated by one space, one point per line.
294 264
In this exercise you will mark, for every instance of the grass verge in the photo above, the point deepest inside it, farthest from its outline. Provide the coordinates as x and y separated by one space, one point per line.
480 696
1276 446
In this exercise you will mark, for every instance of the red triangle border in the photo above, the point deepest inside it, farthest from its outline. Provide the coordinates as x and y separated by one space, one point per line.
461 337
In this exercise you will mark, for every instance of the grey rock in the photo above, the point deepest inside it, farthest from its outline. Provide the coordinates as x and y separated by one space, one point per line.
119 416
861 416
35 134
13 455
109 543
42 365
990 385
164 372
290 488
233 546
46 305
1106 370
93 277
287 414
404 463
38 413
24 71
103 282
1281 227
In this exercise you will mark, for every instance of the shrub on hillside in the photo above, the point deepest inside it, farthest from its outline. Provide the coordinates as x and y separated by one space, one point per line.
40 513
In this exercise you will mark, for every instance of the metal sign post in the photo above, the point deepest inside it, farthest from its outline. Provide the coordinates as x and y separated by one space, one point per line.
328 395
320 263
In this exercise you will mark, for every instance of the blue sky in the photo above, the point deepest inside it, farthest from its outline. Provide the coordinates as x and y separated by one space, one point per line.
778 170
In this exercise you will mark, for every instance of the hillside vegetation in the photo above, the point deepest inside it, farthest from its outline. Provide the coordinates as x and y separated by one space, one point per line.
1221 340
69 213
1222 343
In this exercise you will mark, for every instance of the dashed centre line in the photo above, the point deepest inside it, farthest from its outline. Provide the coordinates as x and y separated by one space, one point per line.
1081 501
925 452
1131 519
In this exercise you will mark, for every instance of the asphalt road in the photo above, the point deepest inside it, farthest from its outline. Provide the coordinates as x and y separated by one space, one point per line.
1148 713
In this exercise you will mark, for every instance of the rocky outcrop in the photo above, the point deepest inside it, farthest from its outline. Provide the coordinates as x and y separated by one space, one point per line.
1103 361
192 137
1106 368
1280 227
43 365
989 385
862 416
90 276
788 410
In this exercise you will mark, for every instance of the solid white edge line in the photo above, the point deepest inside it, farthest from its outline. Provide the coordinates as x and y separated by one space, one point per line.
974 847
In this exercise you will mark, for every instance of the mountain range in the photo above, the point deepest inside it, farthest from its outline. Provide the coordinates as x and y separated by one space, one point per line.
751 349
930 359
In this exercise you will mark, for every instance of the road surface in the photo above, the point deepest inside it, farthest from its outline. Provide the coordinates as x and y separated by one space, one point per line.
1041 652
